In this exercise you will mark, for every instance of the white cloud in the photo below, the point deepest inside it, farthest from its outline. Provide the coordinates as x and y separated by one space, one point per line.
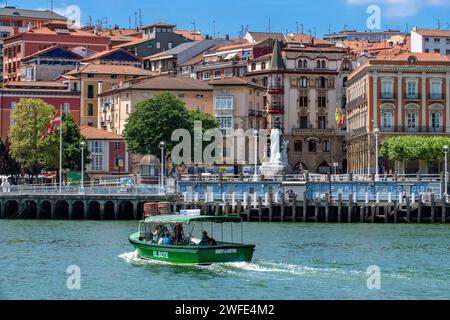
401 8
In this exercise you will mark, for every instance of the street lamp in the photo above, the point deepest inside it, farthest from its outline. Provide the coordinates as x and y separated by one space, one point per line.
82 146
446 150
162 146
255 134
377 154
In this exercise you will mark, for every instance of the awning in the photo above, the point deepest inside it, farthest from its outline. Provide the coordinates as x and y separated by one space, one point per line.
245 54
230 56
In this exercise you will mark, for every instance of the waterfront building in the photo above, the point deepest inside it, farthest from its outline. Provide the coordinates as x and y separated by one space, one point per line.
157 38
14 21
354 35
37 39
109 155
93 79
48 64
230 60
118 56
305 90
55 93
403 94
167 62
430 41
119 101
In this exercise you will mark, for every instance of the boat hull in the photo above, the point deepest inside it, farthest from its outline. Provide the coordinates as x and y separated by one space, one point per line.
221 253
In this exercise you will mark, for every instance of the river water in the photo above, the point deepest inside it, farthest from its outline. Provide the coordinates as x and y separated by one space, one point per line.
292 261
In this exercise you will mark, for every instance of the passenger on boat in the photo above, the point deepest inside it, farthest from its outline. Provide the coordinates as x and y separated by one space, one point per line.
207 241
156 233
179 233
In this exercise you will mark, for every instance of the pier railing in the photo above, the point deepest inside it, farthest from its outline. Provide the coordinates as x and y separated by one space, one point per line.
88 190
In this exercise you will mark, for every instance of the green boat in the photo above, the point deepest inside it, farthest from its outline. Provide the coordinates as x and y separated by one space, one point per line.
163 238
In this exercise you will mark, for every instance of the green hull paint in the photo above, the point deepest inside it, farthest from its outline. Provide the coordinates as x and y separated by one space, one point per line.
223 252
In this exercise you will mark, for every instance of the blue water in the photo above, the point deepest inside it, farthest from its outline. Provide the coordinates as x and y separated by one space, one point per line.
292 261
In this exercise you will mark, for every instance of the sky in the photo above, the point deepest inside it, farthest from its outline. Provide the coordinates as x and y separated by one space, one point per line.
220 18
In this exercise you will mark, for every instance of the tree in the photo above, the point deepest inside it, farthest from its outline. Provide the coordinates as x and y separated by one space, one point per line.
29 119
154 120
7 164
412 148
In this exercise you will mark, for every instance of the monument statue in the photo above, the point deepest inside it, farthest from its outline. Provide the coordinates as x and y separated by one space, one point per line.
278 161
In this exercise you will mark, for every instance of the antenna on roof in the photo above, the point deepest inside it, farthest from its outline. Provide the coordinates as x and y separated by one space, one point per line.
269 24
194 32
214 28
52 2
438 23
140 18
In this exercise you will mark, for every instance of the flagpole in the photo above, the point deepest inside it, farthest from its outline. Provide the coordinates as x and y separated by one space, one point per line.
60 152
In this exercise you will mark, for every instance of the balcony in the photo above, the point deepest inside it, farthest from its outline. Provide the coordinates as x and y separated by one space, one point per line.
358 132
412 97
436 97
313 132
255 113
409 130
388 96
275 109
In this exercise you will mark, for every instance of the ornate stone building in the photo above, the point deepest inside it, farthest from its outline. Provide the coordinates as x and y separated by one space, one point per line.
306 90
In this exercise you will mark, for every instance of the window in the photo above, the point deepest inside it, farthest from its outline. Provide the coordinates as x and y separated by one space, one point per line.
206 75
96 147
158 45
312 146
303 82
322 122
298 146
114 76
117 145
217 74
326 146
181 95
91 75
303 122
447 41
321 82
263 66
436 90
387 119
305 64
225 122
322 102
224 103
436 120
228 73
324 64
90 110
437 40
318 64
96 163
90 93
427 39
412 120
411 89
303 100
170 44
253 66
67 107
387 89
199 96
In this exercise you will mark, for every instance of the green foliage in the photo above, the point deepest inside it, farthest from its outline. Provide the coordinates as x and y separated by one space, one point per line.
7 164
412 148
154 120
29 119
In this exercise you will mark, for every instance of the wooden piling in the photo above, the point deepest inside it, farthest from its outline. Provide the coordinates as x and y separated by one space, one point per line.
433 208
282 207
305 206
408 209
444 211
340 207
260 207
270 206
350 208
386 217
294 208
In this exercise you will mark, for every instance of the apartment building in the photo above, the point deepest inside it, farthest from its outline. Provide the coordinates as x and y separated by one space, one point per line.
404 94
305 87
93 79
430 41
37 39
54 93
118 102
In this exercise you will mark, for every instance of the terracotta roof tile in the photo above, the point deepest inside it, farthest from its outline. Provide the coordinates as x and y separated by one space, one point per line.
433 32
110 69
91 133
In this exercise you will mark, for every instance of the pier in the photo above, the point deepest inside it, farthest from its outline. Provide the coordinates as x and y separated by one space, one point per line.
301 198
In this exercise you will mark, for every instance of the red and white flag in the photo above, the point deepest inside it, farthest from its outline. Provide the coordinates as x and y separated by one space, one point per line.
53 126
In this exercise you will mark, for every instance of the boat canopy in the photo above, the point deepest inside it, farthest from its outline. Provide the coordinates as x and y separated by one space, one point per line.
185 219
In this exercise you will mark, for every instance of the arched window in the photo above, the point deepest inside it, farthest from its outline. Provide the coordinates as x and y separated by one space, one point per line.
324 64
253 66
305 64
312 146
318 64
300 64
263 66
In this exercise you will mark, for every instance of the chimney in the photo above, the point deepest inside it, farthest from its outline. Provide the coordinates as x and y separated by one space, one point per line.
227 37
15 31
